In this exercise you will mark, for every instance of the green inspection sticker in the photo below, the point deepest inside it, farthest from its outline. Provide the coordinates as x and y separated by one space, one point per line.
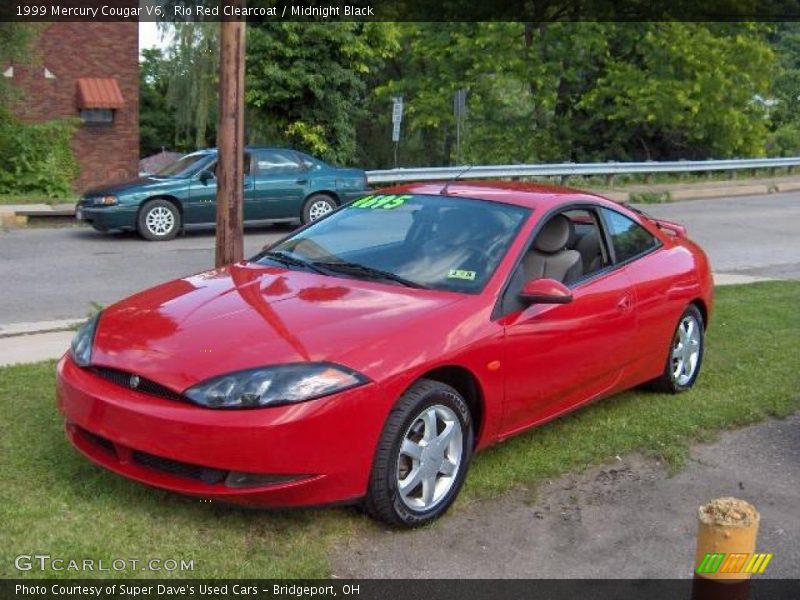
461 274
380 201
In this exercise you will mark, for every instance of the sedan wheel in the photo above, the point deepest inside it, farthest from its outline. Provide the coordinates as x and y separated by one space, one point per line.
317 206
685 354
158 220
422 456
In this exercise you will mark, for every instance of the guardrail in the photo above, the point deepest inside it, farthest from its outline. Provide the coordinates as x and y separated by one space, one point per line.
566 170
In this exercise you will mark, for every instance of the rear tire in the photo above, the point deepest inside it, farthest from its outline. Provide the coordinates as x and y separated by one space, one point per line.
158 220
422 456
685 355
317 206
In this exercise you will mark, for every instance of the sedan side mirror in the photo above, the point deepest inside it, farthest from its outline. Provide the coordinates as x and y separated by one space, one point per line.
545 291
206 176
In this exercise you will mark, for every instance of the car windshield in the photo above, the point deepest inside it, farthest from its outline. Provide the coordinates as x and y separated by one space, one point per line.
439 242
186 166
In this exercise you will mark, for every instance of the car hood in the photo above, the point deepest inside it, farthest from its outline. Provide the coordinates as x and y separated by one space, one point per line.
248 315
135 185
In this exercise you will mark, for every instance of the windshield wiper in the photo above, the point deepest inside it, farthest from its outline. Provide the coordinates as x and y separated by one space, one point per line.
291 261
368 272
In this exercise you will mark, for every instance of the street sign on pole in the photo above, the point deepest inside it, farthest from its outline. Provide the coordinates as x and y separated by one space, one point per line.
397 118
397 109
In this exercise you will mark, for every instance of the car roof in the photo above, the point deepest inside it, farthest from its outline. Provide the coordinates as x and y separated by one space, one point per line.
530 195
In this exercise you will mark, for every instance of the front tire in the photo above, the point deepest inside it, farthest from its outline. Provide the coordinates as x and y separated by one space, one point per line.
422 457
317 206
685 354
158 220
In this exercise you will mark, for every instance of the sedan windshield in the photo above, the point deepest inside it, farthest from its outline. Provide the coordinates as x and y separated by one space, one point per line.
186 166
438 242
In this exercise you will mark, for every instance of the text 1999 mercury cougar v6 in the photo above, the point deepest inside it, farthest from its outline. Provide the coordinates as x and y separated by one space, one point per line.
368 356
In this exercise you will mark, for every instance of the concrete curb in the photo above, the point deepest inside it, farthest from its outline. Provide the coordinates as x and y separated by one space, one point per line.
30 328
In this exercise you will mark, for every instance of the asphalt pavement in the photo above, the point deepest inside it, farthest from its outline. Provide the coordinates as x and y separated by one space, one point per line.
57 273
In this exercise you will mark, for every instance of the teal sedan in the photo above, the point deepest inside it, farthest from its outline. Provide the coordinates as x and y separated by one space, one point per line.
280 185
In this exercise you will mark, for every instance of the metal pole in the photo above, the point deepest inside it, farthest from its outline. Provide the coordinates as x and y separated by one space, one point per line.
230 141
458 140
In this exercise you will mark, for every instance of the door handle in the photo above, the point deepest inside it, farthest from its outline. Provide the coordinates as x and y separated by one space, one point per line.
624 303
302 181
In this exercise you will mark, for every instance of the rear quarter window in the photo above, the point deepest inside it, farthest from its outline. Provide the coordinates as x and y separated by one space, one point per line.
628 237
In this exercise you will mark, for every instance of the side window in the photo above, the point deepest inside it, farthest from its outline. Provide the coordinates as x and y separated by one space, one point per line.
276 162
214 166
629 238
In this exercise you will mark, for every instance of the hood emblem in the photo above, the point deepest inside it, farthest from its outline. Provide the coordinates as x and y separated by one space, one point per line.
134 381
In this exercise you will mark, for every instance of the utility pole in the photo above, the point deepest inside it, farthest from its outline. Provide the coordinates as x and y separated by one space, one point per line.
230 141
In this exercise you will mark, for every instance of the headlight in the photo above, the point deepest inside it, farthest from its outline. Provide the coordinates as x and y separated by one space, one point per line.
81 346
105 200
273 386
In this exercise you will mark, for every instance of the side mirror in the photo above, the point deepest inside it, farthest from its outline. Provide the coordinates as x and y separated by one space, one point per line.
206 176
545 291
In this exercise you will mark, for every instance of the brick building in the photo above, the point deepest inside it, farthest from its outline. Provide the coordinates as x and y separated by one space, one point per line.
90 71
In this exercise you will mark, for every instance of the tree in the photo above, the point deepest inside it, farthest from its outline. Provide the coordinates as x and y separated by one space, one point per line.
306 83
156 118
578 91
784 138
194 80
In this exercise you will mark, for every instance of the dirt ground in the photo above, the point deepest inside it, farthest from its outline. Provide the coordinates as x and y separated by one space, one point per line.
629 519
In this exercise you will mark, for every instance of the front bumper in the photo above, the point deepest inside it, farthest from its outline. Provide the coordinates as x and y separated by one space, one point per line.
105 218
329 442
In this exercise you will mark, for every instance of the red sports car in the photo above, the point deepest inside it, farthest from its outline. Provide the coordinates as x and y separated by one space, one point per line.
367 356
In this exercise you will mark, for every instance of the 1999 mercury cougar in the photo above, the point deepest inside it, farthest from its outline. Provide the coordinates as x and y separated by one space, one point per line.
367 356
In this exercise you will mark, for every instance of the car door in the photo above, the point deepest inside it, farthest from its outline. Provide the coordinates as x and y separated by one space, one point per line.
559 356
664 279
202 205
280 182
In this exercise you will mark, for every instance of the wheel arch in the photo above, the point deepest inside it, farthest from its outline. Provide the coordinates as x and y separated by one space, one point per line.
465 383
701 306
171 199
324 192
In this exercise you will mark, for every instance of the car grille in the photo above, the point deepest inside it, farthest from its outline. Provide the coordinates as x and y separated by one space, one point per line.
180 469
146 386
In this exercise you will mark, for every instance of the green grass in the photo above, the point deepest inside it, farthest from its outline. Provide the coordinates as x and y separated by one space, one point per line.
53 501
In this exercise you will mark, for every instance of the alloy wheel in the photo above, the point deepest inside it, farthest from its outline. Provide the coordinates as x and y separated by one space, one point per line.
430 457
160 220
319 209
686 350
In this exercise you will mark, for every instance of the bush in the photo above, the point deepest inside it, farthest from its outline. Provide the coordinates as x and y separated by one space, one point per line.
36 158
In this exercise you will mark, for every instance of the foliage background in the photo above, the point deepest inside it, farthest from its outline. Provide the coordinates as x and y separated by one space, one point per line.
560 91
536 92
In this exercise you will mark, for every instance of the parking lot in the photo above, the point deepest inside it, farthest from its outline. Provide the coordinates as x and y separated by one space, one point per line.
58 273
